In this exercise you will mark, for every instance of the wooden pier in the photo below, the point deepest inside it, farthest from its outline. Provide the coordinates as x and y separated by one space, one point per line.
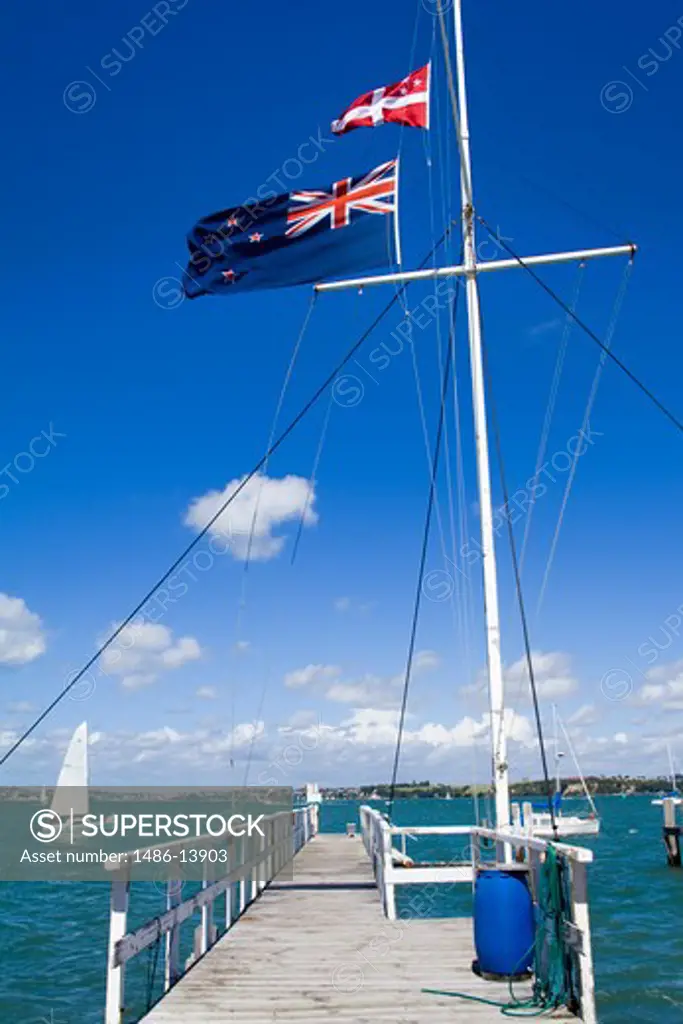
311 931
318 948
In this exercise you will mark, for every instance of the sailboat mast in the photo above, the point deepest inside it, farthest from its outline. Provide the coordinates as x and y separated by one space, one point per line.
557 750
491 612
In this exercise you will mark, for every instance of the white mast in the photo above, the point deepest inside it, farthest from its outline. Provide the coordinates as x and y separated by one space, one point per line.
558 752
672 770
577 766
493 657
469 270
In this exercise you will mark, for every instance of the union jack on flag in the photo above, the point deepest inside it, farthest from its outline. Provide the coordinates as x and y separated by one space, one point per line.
376 192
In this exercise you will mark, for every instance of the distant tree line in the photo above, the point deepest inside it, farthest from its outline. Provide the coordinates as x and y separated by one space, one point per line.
597 784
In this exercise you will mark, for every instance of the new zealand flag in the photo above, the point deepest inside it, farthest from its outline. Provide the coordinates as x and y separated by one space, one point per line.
297 238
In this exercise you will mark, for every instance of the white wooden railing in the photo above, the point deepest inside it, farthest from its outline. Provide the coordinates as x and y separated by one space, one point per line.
284 834
515 848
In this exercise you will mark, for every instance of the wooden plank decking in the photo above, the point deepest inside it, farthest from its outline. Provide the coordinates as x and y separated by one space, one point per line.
317 949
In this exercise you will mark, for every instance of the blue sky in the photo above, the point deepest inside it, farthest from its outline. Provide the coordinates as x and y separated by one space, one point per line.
149 409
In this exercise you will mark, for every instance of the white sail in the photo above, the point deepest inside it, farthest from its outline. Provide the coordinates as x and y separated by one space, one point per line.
72 784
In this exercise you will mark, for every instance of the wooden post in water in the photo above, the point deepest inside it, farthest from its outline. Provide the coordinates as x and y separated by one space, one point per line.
671 834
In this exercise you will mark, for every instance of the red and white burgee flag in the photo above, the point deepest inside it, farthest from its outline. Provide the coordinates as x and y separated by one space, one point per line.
405 102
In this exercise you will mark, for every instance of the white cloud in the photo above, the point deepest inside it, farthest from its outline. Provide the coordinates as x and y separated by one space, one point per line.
311 675
143 651
243 735
207 693
664 686
342 604
200 749
366 691
425 661
21 632
544 327
375 729
247 526
301 720
585 715
552 675
21 707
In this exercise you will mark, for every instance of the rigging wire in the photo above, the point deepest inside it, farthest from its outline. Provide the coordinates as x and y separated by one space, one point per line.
461 595
273 428
518 584
293 424
464 164
255 734
466 182
550 408
242 603
591 334
420 580
589 218
602 359
312 479
462 581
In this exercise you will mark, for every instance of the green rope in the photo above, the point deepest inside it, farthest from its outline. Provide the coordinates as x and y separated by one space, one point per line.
555 971
507 1009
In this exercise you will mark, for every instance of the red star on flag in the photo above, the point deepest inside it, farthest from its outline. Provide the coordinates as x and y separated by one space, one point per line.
228 276
233 222
256 237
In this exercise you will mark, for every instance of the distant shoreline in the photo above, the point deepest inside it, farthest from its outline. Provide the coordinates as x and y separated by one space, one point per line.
621 786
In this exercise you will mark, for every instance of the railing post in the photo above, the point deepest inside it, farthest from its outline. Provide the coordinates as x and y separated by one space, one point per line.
172 965
476 856
281 839
243 877
387 872
229 890
206 936
581 914
263 862
275 855
255 880
533 856
315 819
118 916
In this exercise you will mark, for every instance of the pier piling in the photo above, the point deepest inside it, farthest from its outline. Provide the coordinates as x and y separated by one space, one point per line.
671 834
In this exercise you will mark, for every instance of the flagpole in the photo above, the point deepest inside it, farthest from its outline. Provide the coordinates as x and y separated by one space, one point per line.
491 611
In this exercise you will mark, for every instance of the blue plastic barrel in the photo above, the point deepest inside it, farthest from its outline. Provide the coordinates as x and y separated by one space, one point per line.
503 923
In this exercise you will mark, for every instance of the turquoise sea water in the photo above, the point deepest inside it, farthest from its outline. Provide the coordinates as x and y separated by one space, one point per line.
53 936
